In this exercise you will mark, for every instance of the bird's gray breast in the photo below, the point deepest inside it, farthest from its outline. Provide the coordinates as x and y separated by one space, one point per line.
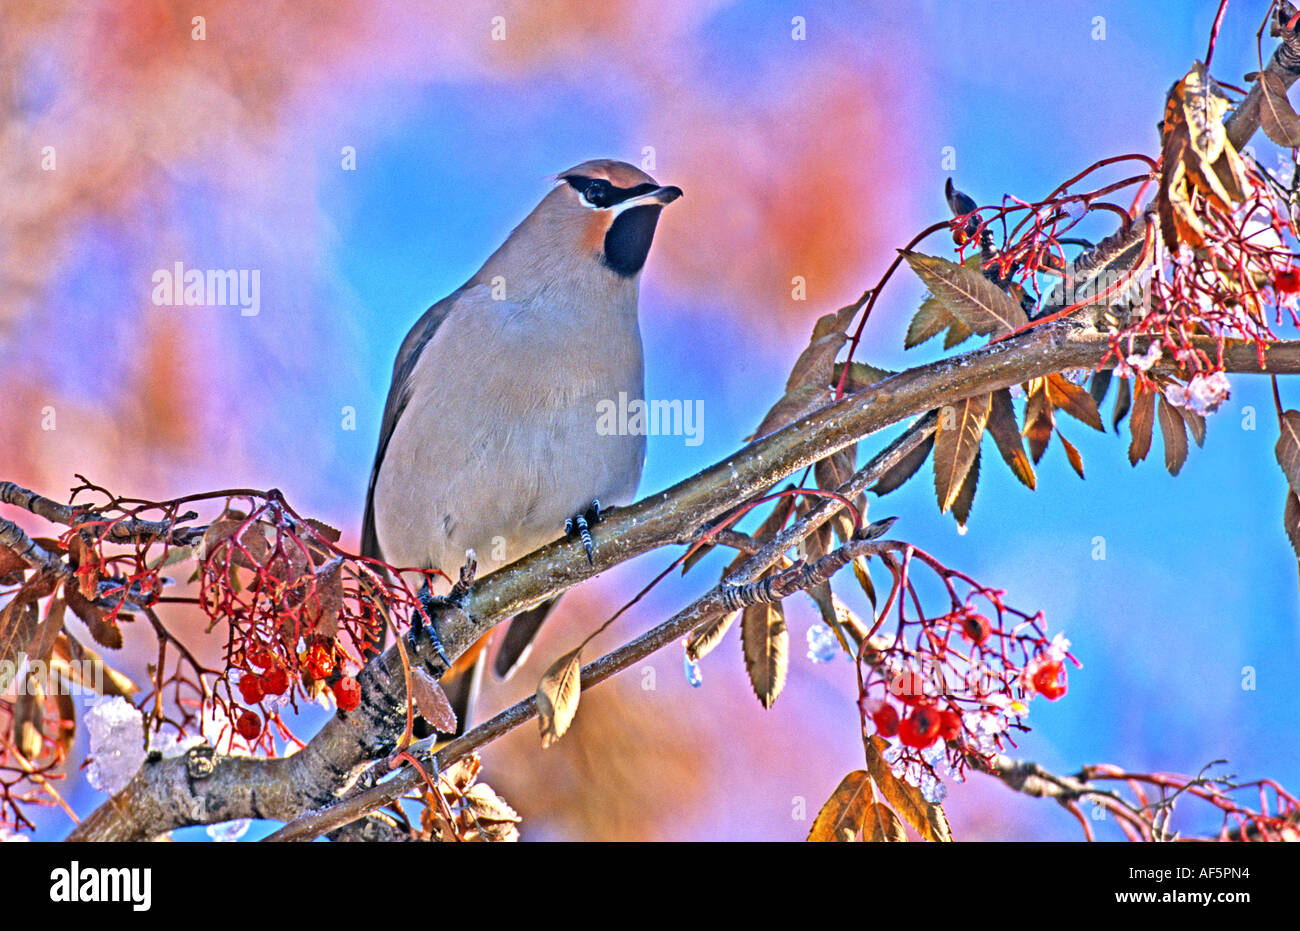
501 439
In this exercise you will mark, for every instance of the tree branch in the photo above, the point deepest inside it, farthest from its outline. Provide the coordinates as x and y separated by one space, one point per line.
165 796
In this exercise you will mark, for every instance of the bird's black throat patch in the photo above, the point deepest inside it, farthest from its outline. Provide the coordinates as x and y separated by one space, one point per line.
627 242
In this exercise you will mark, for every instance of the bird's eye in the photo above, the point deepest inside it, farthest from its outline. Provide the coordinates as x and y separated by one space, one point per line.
597 192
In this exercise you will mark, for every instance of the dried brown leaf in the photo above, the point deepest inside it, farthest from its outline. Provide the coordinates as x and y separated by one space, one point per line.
12 567
1074 401
1005 431
885 826
931 319
927 818
1123 400
905 468
1072 454
81 665
1174 431
970 297
1099 385
845 812
1287 449
1277 117
766 641
1140 423
1039 420
1195 425
961 505
106 632
708 635
432 701
557 696
956 443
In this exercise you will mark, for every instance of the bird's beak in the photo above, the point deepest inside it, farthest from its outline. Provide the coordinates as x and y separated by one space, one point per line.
660 195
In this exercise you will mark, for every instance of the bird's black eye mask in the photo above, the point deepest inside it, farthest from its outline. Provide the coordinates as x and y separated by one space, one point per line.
601 194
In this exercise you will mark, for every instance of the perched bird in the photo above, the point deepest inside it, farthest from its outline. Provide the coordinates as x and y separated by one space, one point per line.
489 439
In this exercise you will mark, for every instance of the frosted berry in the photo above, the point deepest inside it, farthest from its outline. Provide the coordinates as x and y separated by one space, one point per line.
250 688
249 725
920 728
347 692
1049 681
275 681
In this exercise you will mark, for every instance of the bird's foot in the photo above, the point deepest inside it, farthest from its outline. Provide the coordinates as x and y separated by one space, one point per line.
580 526
433 605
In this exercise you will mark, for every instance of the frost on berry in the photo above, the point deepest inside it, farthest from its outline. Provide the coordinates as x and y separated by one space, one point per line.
950 688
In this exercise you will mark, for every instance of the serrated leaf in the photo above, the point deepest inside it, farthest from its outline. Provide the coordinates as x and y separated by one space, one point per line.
1174 431
432 701
20 618
809 384
18 622
1039 420
905 468
1005 431
961 505
845 812
81 665
1099 385
1287 448
1277 117
1074 401
106 632
1140 424
957 334
1291 521
927 818
956 443
861 375
1123 400
970 297
47 632
1195 425
708 635
931 319
557 696
767 649
1072 454
885 826
332 534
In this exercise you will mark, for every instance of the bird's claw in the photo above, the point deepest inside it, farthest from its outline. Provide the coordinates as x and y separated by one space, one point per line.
580 526
432 604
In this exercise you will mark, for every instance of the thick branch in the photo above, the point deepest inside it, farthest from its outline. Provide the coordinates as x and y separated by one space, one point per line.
351 740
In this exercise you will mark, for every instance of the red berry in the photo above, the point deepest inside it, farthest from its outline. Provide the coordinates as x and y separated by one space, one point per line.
347 693
1287 281
949 724
921 728
260 657
249 725
275 681
975 628
1049 681
320 664
250 687
886 720
908 687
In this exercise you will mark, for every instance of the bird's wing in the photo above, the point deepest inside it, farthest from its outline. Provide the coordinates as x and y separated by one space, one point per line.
399 393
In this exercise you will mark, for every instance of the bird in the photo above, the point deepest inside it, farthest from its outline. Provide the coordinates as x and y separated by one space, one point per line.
489 446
